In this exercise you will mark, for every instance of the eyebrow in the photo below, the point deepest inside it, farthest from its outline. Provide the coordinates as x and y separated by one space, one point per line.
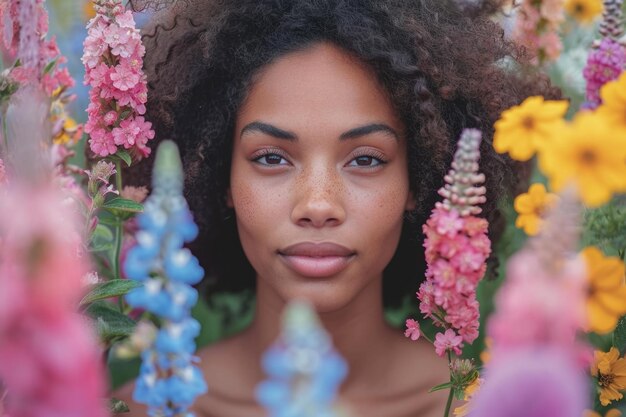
355 133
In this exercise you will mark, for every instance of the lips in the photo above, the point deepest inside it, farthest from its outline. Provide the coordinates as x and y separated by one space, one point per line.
317 260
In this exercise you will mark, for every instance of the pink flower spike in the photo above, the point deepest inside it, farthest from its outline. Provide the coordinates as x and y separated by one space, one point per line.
412 329
448 341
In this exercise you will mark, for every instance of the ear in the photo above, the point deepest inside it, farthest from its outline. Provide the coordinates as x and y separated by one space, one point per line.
411 202
229 198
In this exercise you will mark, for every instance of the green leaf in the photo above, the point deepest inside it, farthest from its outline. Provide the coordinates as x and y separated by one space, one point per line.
101 239
110 324
619 336
123 204
118 406
124 156
112 288
49 67
445 385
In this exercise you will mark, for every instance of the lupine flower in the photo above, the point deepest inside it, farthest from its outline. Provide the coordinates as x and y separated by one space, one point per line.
590 153
613 106
456 248
584 11
605 63
524 129
610 370
532 383
113 59
169 381
304 371
531 206
606 299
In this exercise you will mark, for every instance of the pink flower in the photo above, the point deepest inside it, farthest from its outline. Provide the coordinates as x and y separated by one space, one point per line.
447 222
3 173
124 78
133 132
604 64
101 142
448 341
412 329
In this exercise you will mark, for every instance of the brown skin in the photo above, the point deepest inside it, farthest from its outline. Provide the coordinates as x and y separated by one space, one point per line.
318 187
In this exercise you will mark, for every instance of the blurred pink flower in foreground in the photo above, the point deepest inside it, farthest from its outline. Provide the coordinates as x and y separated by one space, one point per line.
49 360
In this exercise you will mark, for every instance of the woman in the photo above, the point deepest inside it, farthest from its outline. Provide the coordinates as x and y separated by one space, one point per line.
315 134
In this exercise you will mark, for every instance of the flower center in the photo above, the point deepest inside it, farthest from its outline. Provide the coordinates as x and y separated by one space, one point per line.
579 9
588 157
605 380
528 122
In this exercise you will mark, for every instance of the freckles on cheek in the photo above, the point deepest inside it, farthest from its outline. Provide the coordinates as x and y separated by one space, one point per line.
255 204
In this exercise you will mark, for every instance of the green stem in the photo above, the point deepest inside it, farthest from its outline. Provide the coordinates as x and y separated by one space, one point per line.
119 230
450 395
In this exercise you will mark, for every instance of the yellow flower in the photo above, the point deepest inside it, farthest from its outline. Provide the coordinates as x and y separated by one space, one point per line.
522 130
606 299
614 412
531 206
88 9
613 106
469 393
585 11
69 132
590 153
610 370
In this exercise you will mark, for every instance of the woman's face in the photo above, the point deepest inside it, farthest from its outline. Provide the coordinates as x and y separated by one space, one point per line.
319 179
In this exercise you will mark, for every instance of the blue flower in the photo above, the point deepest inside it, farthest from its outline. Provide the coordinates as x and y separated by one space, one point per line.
178 337
180 265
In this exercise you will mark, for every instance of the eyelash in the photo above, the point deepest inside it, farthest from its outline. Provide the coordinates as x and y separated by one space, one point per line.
263 153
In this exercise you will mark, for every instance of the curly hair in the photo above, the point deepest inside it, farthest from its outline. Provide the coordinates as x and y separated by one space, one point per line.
445 66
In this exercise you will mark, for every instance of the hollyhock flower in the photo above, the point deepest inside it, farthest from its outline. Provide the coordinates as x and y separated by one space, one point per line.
606 292
304 370
113 59
531 207
605 63
610 370
524 129
590 153
169 381
455 264
412 329
531 383
448 341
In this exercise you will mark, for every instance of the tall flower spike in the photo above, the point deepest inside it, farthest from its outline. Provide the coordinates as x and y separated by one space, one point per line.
462 191
113 59
304 370
169 382
612 24
456 249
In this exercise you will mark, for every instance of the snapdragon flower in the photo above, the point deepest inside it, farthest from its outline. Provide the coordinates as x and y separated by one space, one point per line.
169 381
304 370
113 59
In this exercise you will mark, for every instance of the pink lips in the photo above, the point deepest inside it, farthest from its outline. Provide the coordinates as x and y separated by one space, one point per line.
317 259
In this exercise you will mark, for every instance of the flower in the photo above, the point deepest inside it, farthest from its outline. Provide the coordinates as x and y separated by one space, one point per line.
610 370
614 412
448 341
613 106
537 26
590 153
137 194
531 383
605 63
470 391
412 329
303 368
606 294
585 11
524 129
530 207
169 381
3 173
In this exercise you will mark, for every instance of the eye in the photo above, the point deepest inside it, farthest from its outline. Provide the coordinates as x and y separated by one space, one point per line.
367 161
270 158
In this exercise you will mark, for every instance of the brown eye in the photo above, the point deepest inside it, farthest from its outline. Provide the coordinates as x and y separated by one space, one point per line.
366 161
271 159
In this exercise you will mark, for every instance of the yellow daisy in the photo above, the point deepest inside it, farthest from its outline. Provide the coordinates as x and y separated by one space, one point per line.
590 153
606 299
522 130
613 106
584 11
614 412
531 206
610 370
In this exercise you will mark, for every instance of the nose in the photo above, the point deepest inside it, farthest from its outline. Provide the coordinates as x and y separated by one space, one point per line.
319 199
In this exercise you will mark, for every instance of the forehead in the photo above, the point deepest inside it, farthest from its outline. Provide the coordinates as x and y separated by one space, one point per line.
321 85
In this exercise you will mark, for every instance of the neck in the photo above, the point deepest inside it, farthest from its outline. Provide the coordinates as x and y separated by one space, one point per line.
358 330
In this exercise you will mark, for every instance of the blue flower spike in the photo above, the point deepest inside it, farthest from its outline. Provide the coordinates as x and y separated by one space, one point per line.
169 381
304 370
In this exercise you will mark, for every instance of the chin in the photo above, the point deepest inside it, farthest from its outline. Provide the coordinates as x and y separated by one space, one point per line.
324 296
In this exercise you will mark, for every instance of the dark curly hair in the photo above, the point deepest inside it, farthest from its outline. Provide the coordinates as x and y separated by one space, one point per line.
445 65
